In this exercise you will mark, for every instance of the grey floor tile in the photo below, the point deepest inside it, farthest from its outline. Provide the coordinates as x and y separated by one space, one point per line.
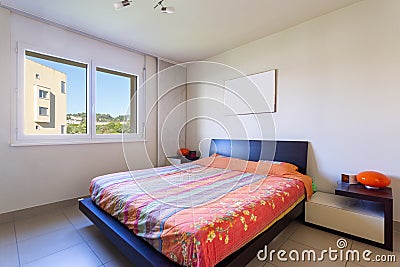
45 210
120 262
6 217
104 249
91 233
9 256
290 229
77 256
352 264
76 217
44 245
39 225
7 234
277 242
255 262
316 238
396 241
396 226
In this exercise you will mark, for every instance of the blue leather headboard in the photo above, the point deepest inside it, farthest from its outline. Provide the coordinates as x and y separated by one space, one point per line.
294 152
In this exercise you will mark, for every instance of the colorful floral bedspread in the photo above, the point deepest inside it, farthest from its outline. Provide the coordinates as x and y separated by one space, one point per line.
195 215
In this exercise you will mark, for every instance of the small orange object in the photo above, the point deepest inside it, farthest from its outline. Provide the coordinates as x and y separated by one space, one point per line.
373 179
184 151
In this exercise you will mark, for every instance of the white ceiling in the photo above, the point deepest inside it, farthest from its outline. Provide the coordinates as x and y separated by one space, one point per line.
197 30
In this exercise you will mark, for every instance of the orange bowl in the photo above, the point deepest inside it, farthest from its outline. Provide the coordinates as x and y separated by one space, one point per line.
373 179
184 151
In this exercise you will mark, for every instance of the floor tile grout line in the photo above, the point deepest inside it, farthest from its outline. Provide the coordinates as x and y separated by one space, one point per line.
16 243
59 229
47 233
269 263
84 240
55 252
35 216
298 242
110 260
338 236
297 228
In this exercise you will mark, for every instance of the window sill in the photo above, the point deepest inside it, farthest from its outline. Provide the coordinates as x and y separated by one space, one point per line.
22 143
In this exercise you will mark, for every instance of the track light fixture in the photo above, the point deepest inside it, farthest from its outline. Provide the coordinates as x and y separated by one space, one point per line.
121 4
164 9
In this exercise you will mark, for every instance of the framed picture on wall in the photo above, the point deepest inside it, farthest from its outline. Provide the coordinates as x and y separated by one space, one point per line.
251 94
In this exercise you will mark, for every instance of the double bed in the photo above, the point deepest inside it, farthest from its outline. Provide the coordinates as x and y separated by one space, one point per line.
215 211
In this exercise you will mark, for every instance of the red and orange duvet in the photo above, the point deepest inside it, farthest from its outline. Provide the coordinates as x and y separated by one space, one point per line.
197 215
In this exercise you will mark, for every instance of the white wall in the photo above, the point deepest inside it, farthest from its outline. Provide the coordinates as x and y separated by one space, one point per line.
171 106
36 175
338 88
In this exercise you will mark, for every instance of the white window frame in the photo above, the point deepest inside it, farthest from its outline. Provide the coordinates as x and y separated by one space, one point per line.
21 139
140 109
45 94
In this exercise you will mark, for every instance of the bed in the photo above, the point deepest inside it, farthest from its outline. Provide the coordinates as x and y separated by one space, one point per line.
211 233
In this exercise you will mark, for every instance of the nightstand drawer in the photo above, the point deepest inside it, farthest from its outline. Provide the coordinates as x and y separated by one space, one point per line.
355 217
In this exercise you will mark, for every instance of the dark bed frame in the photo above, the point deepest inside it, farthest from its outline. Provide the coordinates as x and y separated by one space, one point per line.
140 253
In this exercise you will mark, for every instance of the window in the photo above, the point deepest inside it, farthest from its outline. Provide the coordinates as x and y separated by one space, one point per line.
62 87
49 113
115 102
43 111
54 71
43 94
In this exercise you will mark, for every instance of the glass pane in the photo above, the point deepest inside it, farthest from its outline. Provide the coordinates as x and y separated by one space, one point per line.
56 87
115 112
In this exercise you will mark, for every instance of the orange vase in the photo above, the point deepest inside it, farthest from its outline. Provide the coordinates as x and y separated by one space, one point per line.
372 179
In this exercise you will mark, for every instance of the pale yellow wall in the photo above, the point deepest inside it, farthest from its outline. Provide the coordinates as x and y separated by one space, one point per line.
56 103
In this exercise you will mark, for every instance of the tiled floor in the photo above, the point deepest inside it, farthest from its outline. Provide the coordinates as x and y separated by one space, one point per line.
67 238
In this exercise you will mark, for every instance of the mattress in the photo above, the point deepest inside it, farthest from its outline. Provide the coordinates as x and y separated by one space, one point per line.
196 214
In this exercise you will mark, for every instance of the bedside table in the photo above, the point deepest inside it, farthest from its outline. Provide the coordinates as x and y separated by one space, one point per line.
382 197
362 214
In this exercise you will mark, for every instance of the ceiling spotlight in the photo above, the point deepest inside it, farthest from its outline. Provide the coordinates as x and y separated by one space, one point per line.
122 4
165 9
168 9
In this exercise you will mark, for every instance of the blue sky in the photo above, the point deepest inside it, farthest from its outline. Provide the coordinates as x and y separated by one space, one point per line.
112 94
112 91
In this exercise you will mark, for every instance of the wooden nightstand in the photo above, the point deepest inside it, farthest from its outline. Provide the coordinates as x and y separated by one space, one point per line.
354 211
382 197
